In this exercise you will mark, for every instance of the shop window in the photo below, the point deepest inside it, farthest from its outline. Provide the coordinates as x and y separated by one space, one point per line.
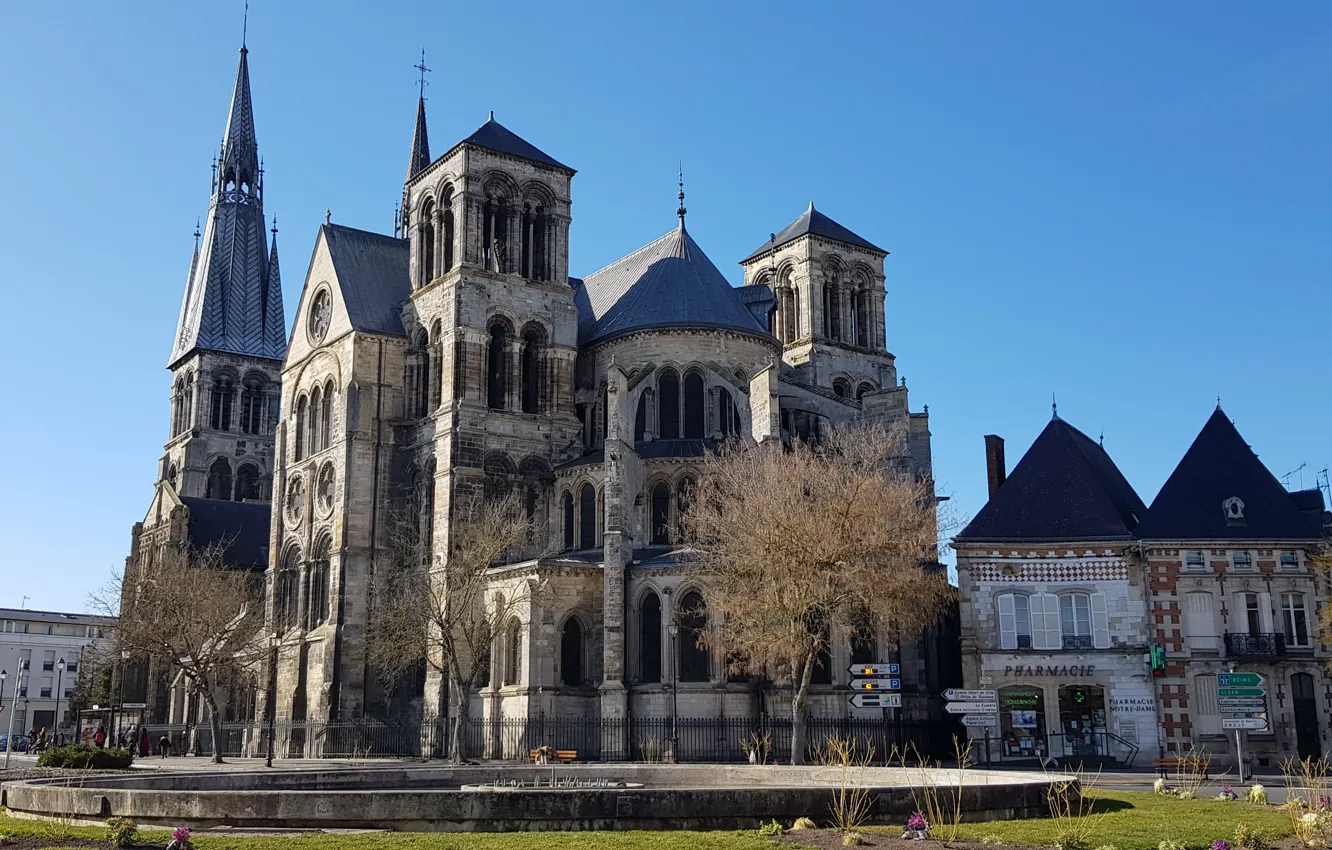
1022 721
1082 718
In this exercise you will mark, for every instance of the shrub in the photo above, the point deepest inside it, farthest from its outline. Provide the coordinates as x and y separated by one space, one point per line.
773 828
1171 844
1159 786
1257 794
1071 840
991 839
803 823
1187 795
85 756
1247 838
851 839
121 832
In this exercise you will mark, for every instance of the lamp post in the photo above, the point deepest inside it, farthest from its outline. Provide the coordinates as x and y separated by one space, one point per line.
272 697
120 696
60 678
4 674
674 630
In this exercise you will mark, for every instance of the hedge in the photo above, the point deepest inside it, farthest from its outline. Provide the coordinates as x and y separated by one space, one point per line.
86 756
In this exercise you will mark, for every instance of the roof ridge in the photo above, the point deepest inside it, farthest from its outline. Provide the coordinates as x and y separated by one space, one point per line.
675 231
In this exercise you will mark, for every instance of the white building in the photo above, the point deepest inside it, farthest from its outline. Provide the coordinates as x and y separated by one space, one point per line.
49 647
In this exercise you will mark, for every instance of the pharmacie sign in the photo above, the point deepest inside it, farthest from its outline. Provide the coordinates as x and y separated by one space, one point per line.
1065 671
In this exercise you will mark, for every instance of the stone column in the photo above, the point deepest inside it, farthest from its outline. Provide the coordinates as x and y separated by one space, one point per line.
439 244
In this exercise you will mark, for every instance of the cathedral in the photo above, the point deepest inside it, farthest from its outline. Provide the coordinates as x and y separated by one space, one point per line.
460 354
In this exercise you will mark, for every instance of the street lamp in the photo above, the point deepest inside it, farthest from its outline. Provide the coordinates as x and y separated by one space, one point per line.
272 697
60 678
674 630
120 696
18 688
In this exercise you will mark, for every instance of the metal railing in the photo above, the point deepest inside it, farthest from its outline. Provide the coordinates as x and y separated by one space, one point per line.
687 739
1069 750
1255 645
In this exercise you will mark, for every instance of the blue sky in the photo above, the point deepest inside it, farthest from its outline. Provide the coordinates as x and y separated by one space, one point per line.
1127 204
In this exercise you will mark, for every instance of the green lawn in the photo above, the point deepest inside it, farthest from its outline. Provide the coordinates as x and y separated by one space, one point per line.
1129 820
1136 820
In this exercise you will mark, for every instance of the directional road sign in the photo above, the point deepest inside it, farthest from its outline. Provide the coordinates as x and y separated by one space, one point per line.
875 669
1240 680
959 695
876 700
979 720
1240 702
1242 692
972 708
1243 723
876 684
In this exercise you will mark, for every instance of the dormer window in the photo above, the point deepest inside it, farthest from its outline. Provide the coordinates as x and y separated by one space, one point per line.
1195 561
1240 561
1289 561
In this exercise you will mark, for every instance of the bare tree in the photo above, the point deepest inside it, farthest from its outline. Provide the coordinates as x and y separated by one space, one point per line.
446 610
799 543
188 608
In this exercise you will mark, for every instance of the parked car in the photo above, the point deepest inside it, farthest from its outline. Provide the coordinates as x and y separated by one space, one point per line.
20 743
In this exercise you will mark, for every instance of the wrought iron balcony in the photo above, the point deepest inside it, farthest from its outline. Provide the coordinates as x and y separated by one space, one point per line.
1077 641
1255 646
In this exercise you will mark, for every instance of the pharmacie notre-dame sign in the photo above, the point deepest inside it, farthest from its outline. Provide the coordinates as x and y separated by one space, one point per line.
1067 671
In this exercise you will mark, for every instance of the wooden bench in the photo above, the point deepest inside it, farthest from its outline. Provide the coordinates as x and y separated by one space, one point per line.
1165 765
562 756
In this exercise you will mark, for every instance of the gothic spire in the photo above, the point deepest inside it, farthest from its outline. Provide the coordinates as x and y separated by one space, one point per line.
239 159
233 299
419 157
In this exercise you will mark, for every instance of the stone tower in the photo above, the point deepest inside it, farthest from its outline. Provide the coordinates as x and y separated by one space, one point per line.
226 358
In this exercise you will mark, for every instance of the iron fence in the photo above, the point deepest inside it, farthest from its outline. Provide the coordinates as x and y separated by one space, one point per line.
686 739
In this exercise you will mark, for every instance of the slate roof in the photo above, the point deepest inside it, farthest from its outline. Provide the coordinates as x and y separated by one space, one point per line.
1065 488
1216 467
373 276
241 526
669 283
494 136
814 223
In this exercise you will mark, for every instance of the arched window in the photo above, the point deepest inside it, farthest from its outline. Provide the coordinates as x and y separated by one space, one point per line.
668 409
789 327
694 410
536 481
316 424
247 483
661 515
252 405
832 304
529 218
178 407
422 400
649 641
326 418
568 508
863 317
513 644
287 593
684 492
497 366
533 340
499 471
448 229
693 658
319 569
822 672
640 416
571 654
864 647
541 228
302 414
219 479
425 232
727 414
172 472
587 518
862 389
841 388
224 391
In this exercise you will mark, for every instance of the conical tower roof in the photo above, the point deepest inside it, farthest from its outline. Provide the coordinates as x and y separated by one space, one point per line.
419 156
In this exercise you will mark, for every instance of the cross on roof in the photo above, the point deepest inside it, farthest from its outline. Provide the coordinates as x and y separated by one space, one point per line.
424 70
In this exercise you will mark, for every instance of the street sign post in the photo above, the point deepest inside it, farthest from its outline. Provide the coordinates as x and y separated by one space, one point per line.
979 720
1242 692
1240 680
876 700
1250 723
960 695
972 708
874 670
876 684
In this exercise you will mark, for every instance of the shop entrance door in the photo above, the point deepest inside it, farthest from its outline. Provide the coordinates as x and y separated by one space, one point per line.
1306 716
1082 721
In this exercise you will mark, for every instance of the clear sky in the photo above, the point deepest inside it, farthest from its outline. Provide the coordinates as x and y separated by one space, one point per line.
1127 204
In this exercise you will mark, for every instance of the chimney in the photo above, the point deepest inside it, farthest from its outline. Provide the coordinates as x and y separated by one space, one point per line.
995 470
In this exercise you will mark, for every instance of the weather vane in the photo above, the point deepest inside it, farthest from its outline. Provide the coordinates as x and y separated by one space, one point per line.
424 70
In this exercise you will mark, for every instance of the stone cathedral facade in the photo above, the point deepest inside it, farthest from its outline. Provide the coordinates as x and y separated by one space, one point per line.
459 354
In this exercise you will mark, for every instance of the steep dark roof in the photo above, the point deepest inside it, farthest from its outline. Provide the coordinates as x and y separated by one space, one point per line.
1065 488
373 277
241 526
669 283
494 136
814 223
1220 465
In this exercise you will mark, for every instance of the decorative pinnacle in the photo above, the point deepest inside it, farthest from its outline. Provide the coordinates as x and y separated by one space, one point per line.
328 216
1054 407
424 70
680 210
245 24
274 229
196 233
